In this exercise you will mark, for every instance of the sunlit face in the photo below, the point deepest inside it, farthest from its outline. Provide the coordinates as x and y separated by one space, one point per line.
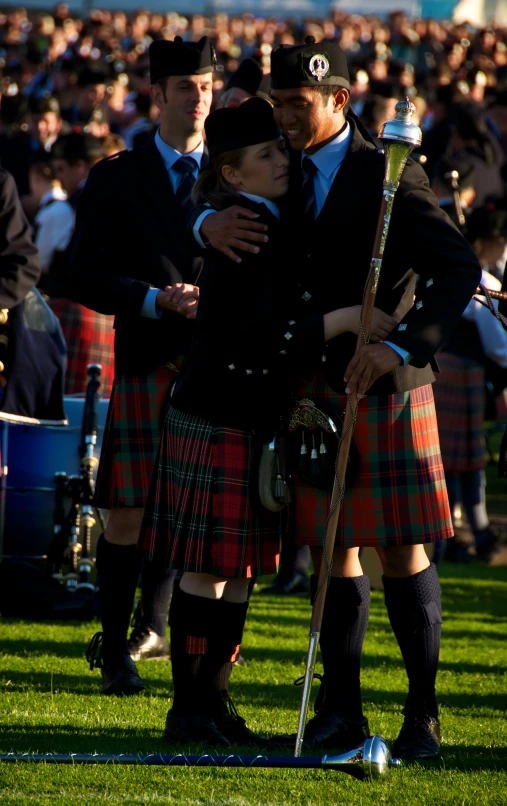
184 103
264 170
47 125
307 118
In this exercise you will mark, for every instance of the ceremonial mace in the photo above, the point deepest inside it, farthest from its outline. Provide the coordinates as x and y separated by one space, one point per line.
368 762
399 137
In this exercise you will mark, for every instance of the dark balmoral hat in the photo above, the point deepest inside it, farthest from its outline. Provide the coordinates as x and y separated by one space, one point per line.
309 65
247 77
180 58
241 126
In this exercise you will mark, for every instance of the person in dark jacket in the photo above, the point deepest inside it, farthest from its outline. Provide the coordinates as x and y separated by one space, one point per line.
398 500
203 514
130 245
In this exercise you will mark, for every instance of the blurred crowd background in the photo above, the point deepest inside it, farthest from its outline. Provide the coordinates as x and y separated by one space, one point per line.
75 90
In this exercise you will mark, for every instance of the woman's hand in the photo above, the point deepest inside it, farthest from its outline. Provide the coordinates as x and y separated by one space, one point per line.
381 323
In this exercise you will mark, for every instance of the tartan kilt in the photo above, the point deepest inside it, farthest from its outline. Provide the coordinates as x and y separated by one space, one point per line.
90 340
131 437
459 402
398 496
203 513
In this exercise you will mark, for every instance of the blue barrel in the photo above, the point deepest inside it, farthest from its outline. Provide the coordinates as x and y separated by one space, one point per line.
34 455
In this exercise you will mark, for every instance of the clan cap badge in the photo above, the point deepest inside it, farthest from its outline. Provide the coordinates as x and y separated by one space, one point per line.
319 66
309 65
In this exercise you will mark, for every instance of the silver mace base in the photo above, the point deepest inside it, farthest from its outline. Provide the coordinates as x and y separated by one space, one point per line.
369 761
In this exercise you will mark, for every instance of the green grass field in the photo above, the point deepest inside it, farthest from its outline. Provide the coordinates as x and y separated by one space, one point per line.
50 702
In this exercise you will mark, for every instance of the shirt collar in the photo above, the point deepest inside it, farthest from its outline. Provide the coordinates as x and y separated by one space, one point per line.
170 155
261 200
328 159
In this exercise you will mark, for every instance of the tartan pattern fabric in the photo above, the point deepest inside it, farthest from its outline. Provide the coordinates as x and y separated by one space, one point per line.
459 402
399 496
202 512
196 645
90 340
131 438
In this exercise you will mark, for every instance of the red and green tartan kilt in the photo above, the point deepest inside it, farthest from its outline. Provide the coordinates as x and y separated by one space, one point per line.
131 437
398 496
90 340
459 401
203 513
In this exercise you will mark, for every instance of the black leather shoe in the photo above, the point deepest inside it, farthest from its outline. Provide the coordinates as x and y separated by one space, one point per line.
145 644
327 730
419 738
232 725
193 728
119 673
289 584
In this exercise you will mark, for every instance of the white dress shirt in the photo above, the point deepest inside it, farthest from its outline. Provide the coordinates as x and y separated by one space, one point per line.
169 156
55 224
491 332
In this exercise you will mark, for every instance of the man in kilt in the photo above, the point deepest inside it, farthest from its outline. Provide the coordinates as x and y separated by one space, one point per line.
88 334
398 501
130 260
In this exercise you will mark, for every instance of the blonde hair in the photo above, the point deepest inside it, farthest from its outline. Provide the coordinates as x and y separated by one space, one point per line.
210 184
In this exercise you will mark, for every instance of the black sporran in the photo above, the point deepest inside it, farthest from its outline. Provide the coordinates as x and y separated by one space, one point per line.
314 436
274 491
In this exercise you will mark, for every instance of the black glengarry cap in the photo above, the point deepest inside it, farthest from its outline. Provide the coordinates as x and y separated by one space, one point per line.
237 127
180 58
247 77
309 65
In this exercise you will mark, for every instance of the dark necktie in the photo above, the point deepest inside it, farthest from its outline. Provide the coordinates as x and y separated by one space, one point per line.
309 171
186 166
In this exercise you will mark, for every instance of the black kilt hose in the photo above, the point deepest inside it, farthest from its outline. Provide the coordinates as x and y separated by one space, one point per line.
203 512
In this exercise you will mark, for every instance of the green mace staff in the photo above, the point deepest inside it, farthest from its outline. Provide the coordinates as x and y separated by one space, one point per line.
399 136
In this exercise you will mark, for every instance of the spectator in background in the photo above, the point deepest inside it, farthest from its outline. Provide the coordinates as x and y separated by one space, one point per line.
89 335
137 112
54 220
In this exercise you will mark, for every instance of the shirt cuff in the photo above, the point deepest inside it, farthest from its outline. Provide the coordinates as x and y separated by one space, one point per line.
405 356
197 226
150 310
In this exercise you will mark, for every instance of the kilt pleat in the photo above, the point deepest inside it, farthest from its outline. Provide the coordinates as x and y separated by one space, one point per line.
202 512
459 402
90 340
131 438
399 495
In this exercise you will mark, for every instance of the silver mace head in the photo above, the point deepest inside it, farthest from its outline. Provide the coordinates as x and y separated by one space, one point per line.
401 129
370 760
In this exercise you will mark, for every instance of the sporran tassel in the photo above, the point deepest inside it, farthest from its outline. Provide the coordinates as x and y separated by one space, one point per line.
315 459
302 453
324 463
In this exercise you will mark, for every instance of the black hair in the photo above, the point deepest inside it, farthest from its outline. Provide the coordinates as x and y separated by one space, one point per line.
331 89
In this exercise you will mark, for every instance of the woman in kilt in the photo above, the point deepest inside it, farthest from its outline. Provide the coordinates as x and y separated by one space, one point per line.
203 514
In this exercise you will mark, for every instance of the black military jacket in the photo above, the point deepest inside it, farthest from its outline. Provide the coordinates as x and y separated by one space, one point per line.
254 334
130 236
422 241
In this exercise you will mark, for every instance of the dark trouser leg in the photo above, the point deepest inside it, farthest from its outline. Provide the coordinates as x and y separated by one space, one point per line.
473 487
341 642
414 609
118 571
